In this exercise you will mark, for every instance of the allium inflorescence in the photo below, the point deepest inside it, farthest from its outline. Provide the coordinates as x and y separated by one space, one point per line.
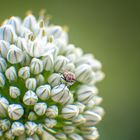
47 86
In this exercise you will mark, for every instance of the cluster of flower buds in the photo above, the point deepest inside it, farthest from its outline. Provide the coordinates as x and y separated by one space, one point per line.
47 86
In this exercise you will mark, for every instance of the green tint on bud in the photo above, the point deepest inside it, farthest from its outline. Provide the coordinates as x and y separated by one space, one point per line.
32 116
61 94
30 128
5 125
86 93
54 79
40 79
11 74
14 92
69 112
52 111
17 128
79 120
68 129
20 43
7 33
30 98
31 83
3 65
26 59
15 111
14 55
60 63
43 92
9 135
2 80
40 108
4 47
36 66
48 62
50 123
24 72
61 136
3 107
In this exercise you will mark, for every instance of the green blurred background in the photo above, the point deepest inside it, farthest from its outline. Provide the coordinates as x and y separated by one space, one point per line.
110 29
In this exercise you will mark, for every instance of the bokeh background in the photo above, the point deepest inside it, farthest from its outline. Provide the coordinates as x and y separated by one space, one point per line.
110 29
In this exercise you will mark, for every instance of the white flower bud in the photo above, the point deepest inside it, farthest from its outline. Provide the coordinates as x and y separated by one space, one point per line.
14 55
56 31
40 108
17 128
11 74
14 92
70 112
88 130
97 100
99 76
29 138
69 67
24 72
84 73
69 129
31 83
92 118
36 66
61 136
30 98
48 62
80 106
30 22
86 93
30 128
15 111
60 63
40 79
75 136
32 116
7 33
79 120
15 23
4 125
3 65
4 47
50 123
20 43
3 106
54 79
85 59
2 80
61 94
26 59
39 129
9 135
52 111
93 136
43 92
99 110
39 47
